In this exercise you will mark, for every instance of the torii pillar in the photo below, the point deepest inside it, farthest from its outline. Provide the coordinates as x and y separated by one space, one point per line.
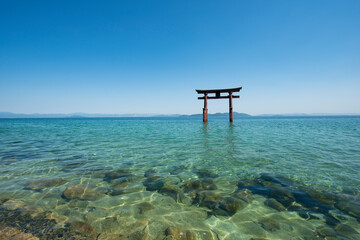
218 96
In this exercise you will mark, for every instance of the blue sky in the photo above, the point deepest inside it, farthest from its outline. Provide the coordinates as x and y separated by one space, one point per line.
150 56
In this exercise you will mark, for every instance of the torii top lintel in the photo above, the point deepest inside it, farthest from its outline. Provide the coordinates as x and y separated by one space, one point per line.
217 93
219 90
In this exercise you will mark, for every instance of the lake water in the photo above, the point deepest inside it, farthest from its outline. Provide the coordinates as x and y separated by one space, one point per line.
177 178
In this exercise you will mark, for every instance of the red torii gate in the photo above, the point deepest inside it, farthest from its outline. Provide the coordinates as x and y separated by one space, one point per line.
218 96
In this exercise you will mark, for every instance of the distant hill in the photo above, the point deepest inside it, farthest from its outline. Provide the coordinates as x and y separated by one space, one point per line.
219 115
89 115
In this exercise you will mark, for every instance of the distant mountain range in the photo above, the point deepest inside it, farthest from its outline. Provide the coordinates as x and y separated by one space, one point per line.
215 115
89 115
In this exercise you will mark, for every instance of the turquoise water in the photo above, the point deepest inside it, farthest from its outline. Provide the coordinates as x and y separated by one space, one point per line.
275 178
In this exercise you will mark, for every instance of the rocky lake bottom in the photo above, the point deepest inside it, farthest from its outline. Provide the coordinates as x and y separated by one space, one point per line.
222 183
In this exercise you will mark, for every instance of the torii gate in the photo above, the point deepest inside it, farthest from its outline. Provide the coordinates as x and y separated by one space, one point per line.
217 96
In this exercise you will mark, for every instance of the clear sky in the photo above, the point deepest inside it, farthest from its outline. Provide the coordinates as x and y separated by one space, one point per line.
149 56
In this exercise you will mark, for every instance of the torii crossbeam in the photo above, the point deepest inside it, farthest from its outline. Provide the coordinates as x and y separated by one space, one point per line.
218 96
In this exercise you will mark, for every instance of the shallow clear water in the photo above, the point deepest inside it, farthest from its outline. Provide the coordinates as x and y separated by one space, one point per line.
245 161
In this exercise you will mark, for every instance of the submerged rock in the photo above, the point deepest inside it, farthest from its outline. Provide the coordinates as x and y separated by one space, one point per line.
39 224
204 173
222 206
144 207
346 230
123 180
204 184
170 191
271 202
269 224
130 189
268 177
178 169
108 223
138 230
13 204
282 195
83 192
111 236
154 185
150 173
174 233
208 196
331 220
259 189
84 229
231 204
44 183
139 235
321 196
252 228
7 232
244 194
350 207
122 173
291 196
193 185
307 201
208 184
163 186
206 235
325 231
307 215
71 166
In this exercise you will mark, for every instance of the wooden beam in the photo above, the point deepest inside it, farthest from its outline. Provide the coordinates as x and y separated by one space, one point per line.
200 98
219 90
